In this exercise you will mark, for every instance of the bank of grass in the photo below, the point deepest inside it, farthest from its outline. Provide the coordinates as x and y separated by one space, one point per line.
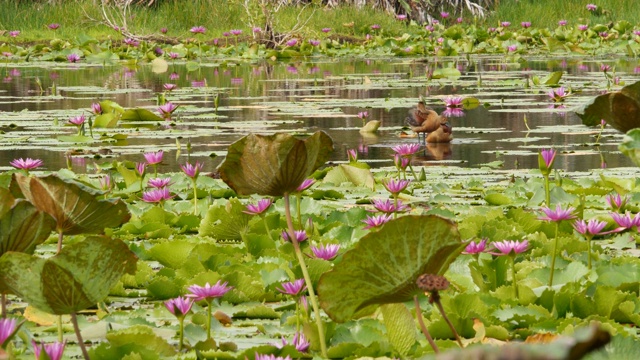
32 18
547 13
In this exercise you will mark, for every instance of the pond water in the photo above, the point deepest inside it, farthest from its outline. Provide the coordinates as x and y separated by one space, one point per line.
305 95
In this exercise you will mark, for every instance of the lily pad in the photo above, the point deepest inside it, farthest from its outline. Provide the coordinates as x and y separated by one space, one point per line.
78 277
274 164
383 267
140 115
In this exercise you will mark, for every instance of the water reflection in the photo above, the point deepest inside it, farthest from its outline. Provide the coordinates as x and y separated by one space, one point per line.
305 96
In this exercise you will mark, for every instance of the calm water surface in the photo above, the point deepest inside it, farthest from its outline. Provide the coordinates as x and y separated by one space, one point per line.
305 96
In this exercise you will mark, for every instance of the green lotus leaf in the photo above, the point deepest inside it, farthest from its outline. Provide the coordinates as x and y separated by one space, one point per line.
274 164
23 227
620 109
74 206
6 201
384 266
225 221
108 120
140 115
76 278
135 339
104 58
630 145
401 328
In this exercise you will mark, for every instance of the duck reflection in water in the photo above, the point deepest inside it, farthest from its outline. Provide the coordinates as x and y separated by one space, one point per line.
433 152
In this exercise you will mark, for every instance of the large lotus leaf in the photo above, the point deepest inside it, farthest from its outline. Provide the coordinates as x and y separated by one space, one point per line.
23 227
140 115
74 206
6 201
630 145
620 109
274 164
384 265
76 278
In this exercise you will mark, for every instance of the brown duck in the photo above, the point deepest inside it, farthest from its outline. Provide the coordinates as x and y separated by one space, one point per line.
424 120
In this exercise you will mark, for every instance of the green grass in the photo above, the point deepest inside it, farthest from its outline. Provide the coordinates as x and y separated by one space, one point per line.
32 18
542 13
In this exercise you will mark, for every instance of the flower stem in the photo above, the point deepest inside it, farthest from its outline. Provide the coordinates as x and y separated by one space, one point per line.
589 252
547 192
74 320
305 274
4 305
195 197
553 255
435 297
515 283
395 205
209 302
60 235
298 201
423 327
415 177
60 331
266 226
181 338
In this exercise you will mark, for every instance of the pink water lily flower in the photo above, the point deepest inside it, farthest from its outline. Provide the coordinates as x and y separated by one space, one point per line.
558 94
292 42
301 235
78 120
96 109
159 183
626 220
510 247
406 149
259 208
198 30
453 101
589 228
352 154
616 202
7 327
73 58
53 350
326 30
53 26
293 288
328 252
388 206
236 32
167 109
192 171
208 292
14 33
559 214
179 306
26 164
546 159
306 184
376 221
396 186
475 248
157 195
525 24
154 158
592 7
170 87
299 342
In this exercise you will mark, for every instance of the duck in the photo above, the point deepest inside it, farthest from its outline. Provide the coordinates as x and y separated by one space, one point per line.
444 134
424 120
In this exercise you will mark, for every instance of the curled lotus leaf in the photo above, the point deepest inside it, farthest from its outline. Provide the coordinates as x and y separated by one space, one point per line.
76 278
620 109
273 164
382 268
23 227
74 206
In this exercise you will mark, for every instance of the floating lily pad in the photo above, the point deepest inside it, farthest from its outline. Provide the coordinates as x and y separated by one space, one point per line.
23 227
